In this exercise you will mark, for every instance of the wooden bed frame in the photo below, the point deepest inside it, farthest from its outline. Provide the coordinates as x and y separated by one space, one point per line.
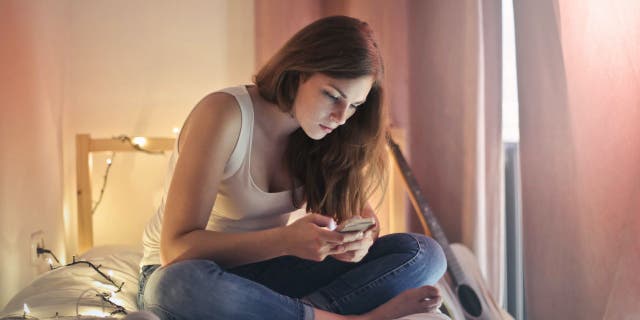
390 213
85 145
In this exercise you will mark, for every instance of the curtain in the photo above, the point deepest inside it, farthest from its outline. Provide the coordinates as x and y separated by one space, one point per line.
442 78
455 128
579 97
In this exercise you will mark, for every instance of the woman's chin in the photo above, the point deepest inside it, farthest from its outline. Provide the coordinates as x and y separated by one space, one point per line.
317 135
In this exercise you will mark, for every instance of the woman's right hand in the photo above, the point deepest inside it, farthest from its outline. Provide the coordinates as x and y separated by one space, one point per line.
310 238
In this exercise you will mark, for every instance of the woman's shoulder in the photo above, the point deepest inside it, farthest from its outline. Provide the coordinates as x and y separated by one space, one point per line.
216 115
220 107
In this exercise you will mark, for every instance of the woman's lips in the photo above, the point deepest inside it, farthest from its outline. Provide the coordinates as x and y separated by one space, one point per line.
326 129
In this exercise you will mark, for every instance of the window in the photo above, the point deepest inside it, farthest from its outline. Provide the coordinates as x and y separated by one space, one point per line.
510 138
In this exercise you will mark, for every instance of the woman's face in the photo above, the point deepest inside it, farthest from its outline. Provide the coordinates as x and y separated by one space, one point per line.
324 103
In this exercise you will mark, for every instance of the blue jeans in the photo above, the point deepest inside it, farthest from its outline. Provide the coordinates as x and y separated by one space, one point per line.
288 287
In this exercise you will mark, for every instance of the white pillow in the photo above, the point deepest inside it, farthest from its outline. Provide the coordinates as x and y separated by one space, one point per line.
72 290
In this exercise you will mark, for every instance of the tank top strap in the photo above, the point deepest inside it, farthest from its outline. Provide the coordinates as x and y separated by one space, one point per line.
246 130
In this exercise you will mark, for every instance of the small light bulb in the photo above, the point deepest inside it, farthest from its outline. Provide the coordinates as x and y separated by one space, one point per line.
176 130
110 273
139 141
109 161
50 262
26 309
95 313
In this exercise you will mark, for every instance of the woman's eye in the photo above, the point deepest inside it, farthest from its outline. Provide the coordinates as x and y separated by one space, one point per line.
330 96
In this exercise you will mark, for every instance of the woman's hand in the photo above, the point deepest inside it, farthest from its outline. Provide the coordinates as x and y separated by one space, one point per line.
311 238
355 250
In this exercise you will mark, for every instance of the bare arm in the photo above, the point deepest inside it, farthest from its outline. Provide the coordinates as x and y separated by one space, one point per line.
206 143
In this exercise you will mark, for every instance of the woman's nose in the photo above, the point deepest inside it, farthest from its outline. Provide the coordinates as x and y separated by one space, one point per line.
339 113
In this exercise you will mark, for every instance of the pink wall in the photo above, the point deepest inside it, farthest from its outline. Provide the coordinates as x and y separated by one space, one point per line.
32 88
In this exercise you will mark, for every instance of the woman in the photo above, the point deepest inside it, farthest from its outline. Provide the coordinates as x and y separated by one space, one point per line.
308 136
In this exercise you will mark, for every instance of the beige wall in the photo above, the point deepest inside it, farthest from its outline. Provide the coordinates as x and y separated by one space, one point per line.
104 68
33 37
137 68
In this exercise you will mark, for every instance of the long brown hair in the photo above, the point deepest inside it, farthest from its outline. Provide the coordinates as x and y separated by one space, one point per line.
341 171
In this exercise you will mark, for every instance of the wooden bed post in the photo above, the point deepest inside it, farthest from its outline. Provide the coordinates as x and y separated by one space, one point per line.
83 192
397 193
85 145
393 204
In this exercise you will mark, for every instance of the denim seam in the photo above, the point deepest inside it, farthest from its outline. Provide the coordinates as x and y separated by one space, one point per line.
157 306
335 302
307 308
144 279
301 311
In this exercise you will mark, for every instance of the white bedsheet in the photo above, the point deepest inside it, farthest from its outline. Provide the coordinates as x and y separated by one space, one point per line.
71 291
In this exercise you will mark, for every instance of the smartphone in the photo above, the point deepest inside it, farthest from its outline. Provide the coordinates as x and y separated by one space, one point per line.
355 225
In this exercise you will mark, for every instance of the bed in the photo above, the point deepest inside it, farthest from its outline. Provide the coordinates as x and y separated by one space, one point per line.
103 282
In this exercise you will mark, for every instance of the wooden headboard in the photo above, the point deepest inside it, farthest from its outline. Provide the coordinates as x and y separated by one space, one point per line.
85 145
391 211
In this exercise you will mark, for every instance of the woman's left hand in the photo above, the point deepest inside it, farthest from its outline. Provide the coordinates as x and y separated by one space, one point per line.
356 250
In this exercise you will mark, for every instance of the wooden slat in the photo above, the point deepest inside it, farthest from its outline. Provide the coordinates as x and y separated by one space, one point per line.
83 192
115 144
396 193
84 147
393 206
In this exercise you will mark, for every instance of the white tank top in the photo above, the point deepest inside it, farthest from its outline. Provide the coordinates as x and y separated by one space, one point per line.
240 204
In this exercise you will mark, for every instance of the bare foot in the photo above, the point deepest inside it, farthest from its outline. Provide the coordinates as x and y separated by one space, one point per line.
418 300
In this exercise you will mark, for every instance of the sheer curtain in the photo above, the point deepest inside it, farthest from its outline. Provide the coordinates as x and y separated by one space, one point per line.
579 87
442 62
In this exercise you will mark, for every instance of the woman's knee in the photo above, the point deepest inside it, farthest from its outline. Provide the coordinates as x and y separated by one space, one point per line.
432 257
427 253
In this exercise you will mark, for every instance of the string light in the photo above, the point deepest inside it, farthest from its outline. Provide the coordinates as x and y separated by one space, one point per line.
108 297
41 251
97 269
26 310
176 130
104 182
137 143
